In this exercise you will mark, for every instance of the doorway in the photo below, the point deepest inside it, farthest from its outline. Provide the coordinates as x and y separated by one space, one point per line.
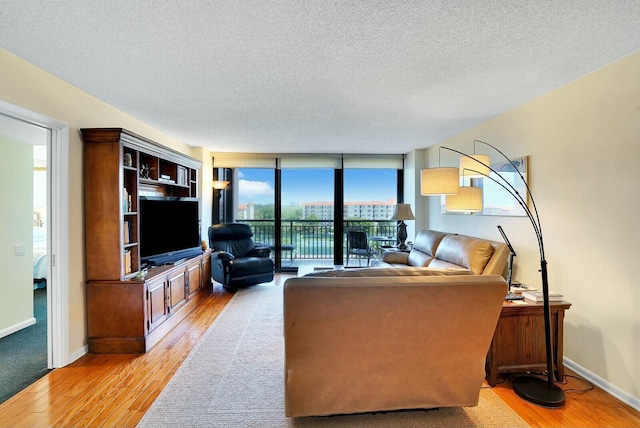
16 121
24 306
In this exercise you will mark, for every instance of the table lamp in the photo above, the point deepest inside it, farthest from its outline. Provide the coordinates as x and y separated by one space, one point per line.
402 212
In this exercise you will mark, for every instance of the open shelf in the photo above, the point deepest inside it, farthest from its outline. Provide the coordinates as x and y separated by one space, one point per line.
130 309
119 168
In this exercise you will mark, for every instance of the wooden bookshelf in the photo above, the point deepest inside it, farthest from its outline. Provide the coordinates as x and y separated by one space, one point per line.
130 310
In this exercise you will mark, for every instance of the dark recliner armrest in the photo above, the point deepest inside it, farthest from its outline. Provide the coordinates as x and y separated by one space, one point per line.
259 252
222 255
246 268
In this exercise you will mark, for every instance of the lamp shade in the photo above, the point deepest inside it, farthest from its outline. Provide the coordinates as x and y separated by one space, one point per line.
439 181
402 212
219 185
469 166
469 200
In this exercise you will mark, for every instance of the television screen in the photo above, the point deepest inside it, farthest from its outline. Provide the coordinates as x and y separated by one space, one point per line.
169 228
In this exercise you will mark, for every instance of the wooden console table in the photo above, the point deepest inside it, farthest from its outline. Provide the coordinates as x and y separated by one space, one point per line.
518 343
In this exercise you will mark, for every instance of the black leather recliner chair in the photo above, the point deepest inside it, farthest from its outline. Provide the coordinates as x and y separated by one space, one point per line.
235 260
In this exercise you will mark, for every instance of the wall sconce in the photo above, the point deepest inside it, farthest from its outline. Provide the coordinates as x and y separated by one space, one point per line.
219 185
216 208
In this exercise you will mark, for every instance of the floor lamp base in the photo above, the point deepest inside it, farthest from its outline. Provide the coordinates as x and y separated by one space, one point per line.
537 391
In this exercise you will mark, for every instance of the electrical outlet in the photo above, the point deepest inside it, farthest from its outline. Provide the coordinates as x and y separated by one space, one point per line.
19 250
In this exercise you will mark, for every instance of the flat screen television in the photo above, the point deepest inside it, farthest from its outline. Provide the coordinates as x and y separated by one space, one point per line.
169 229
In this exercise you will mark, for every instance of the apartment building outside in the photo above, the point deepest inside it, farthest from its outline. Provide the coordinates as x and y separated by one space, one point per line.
373 210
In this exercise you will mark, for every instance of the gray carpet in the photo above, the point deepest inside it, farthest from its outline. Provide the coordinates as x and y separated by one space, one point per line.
23 354
234 378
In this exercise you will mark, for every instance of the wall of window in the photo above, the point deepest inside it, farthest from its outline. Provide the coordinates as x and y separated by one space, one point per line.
301 204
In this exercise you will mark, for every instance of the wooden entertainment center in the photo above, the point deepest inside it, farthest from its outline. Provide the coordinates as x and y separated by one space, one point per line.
130 309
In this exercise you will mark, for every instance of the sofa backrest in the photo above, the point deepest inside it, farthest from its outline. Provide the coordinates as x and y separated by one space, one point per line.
424 247
392 271
436 249
361 344
465 251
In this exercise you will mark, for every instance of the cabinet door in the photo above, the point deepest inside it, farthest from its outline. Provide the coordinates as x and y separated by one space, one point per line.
206 272
177 290
157 309
194 270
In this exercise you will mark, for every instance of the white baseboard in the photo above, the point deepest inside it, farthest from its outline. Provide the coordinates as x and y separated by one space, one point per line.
17 327
79 353
603 384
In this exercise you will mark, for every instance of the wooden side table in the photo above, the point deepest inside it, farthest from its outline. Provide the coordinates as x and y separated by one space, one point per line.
518 343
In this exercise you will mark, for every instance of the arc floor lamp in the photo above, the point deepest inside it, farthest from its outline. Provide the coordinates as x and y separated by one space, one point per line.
533 389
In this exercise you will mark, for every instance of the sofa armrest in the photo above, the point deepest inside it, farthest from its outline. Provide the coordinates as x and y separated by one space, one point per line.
395 257
247 266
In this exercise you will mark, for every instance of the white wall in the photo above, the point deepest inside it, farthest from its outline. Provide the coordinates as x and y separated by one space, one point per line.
205 190
16 194
583 140
31 88
414 162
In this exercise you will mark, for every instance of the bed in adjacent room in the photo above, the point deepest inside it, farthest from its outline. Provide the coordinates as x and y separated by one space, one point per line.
39 256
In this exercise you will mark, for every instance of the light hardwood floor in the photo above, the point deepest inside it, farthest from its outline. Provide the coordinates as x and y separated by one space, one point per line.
116 390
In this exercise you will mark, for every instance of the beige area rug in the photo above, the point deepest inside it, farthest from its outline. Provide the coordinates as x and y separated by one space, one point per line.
234 378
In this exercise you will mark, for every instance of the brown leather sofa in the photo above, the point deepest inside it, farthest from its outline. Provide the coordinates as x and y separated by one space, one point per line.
375 343
435 249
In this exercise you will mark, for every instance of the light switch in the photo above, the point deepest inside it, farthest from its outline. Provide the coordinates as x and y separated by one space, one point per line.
20 250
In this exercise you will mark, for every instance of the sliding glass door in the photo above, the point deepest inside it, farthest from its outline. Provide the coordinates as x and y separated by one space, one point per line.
307 215
302 205
370 196
255 196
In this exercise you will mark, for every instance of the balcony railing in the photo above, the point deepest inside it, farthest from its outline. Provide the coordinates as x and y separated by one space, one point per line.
313 239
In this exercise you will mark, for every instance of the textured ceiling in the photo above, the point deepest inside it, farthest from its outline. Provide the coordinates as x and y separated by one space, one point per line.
318 76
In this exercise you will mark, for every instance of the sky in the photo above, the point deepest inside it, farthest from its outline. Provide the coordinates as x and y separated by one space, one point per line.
316 185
